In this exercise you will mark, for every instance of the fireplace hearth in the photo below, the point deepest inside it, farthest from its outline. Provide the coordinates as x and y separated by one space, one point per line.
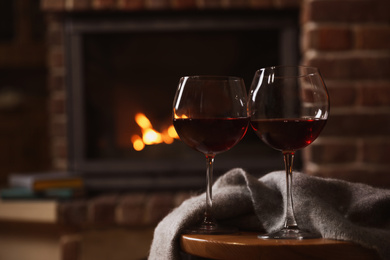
119 66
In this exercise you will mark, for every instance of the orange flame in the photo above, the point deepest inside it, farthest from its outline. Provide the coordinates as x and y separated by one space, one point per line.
181 116
151 136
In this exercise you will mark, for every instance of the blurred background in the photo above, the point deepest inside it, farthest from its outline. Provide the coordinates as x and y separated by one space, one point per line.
74 74
23 89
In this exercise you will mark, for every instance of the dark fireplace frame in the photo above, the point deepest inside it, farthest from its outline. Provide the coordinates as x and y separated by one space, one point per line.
130 174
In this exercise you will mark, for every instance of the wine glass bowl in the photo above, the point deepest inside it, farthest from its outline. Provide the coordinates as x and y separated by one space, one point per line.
210 115
288 108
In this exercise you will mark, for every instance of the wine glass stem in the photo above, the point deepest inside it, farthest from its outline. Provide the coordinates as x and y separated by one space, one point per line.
209 193
290 222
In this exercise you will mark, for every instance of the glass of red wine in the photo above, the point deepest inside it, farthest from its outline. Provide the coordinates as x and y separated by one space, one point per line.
288 108
210 115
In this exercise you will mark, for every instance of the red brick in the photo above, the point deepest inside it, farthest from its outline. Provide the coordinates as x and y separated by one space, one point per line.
60 164
131 4
58 129
60 150
376 151
373 37
71 247
287 3
77 5
57 106
53 21
55 38
352 66
235 3
357 125
184 4
73 212
102 210
347 11
52 5
56 82
341 93
209 3
131 210
158 206
378 177
328 38
157 4
103 4
333 153
260 4
375 93
56 58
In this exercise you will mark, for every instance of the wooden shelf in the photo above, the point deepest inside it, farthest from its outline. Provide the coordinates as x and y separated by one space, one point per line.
246 245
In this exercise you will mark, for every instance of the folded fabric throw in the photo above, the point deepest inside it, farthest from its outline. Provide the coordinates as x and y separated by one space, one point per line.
336 209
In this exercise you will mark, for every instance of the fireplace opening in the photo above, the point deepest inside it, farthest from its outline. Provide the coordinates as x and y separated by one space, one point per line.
122 76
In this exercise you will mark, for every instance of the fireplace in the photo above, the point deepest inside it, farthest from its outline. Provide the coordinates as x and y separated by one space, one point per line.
119 67
346 40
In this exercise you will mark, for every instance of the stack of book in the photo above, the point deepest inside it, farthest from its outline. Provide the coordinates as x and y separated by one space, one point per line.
51 185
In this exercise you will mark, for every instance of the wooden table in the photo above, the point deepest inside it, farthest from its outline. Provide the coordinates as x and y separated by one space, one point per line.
246 245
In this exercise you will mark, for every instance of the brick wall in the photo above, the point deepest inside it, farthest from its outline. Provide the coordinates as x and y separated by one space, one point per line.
57 91
91 220
130 210
349 40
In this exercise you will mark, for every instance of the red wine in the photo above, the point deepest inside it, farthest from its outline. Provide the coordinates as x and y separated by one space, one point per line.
288 134
211 135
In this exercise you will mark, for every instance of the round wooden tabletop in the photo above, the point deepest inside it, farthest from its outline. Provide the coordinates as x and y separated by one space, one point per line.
246 245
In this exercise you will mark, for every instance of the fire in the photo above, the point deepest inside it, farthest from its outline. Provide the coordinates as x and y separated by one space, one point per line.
151 136
142 121
138 144
181 116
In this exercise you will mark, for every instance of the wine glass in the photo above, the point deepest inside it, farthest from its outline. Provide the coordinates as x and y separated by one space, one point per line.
210 115
288 107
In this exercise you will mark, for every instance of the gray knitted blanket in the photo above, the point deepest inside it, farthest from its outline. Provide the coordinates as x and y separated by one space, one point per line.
335 209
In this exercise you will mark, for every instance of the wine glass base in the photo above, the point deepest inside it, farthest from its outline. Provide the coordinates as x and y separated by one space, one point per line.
211 230
290 233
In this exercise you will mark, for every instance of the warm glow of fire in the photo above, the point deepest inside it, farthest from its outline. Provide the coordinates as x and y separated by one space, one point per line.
181 116
151 136
138 144
172 132
142 121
